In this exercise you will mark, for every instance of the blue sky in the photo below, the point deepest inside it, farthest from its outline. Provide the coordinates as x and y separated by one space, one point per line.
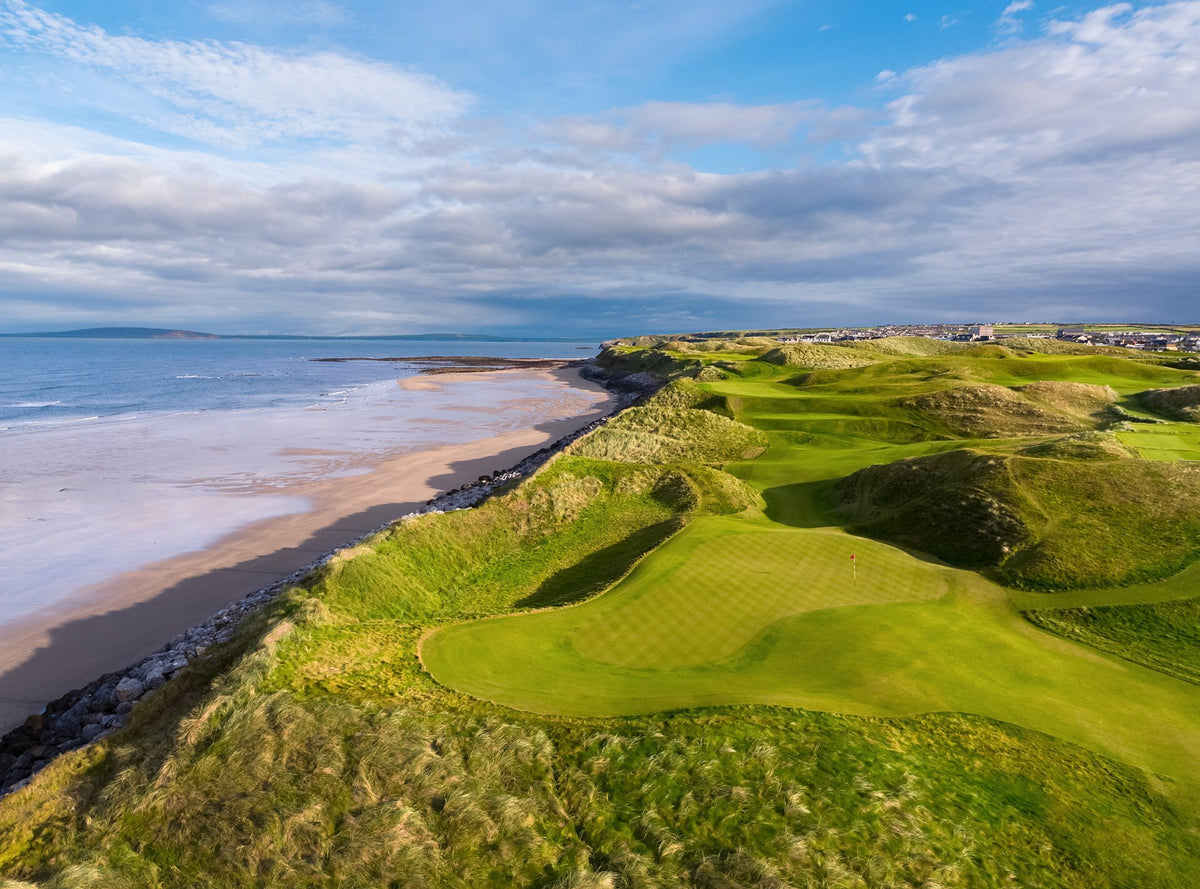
595 168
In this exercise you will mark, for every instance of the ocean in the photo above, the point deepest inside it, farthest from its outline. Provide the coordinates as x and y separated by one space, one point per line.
48 381
116 454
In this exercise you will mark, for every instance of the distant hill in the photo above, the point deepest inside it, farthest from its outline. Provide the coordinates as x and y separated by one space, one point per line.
123 333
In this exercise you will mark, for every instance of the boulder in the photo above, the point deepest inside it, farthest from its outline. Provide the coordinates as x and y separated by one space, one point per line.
70 722
105 697
155 678
129 689
91 733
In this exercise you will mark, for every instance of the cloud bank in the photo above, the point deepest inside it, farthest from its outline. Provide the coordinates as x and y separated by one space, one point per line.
1052 176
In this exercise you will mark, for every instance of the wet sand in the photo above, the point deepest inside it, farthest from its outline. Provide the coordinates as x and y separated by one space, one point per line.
112 623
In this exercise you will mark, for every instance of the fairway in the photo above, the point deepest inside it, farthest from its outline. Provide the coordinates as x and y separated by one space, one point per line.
1168 441
765 607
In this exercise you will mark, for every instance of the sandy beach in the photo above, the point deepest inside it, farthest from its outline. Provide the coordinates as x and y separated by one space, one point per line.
108 624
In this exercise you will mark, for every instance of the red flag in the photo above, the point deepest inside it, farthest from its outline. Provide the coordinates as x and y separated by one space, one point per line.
852 557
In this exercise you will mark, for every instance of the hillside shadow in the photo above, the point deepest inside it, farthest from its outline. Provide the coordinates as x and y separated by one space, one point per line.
599 570
801 505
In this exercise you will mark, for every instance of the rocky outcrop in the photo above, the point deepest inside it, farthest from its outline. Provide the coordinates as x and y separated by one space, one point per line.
628 387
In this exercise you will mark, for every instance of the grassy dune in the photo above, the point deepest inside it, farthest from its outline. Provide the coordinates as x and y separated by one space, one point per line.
651 665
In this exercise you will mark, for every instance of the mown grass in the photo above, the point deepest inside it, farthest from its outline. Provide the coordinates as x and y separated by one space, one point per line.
731 619
886 658
931 736
1170 442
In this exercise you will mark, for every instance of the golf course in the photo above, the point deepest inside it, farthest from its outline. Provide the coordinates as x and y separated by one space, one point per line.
769 607
892 613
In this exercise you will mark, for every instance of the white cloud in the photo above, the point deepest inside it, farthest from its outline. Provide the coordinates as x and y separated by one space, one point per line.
1109 84
238 94
910 17
657 127
1047 172
1008 23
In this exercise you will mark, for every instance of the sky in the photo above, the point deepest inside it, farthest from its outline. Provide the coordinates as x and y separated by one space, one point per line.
535 167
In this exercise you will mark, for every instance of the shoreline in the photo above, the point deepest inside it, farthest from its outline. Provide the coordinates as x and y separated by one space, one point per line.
111 625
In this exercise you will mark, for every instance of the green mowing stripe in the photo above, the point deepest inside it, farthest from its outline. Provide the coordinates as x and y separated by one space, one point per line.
703 598
1170 441
750 416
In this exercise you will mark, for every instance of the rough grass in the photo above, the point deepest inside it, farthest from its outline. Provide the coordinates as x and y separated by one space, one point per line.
281 792
1022 516
477 561
1182 403
964 506
1141 523
1164 636
743 345
670 435
1081 446
991 411
907 346
1088 402
816 356
1039 345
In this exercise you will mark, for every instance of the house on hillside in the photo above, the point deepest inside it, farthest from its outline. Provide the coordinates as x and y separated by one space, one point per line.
1074 334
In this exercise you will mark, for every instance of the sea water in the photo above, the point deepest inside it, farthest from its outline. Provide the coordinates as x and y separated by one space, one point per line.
44 381
118 453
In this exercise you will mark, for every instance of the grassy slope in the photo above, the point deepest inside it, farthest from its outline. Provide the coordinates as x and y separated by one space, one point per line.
1163 635
313 751
1020 513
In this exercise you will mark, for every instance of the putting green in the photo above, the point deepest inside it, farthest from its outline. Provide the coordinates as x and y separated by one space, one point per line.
763 608
910 636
